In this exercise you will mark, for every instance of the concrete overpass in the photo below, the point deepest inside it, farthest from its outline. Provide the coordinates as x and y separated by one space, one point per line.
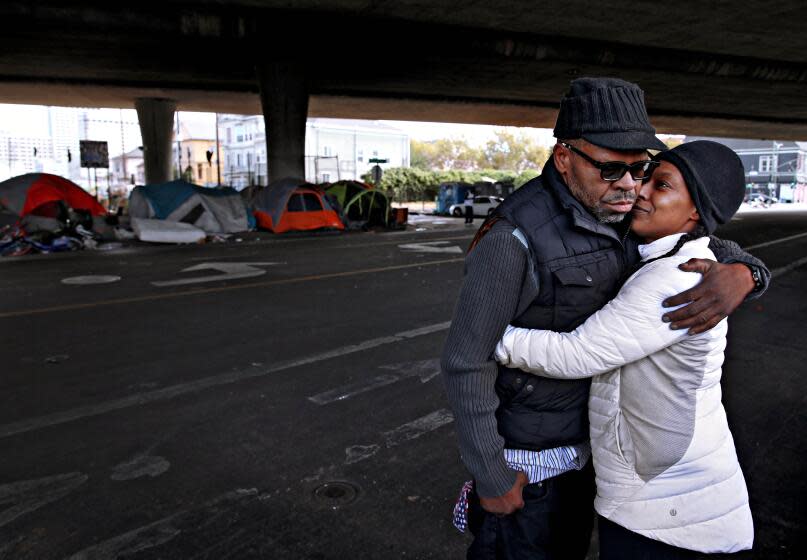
707 68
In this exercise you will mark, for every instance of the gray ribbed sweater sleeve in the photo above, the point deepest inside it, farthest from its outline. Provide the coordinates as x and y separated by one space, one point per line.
489 297
728 252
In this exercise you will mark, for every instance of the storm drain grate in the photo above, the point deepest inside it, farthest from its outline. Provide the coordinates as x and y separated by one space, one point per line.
336 493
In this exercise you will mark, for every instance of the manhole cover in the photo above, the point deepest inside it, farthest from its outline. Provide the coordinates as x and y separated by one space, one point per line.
336 494
88 280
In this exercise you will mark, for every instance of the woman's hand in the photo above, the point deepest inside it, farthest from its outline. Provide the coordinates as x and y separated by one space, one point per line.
723 288
505 346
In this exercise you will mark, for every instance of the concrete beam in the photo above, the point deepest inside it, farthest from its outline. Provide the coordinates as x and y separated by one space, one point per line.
505 63
156 118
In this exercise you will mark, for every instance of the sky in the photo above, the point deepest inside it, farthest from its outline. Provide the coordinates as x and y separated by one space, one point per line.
32 120
475 134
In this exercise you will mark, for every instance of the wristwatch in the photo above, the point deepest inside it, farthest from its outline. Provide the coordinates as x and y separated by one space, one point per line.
757 277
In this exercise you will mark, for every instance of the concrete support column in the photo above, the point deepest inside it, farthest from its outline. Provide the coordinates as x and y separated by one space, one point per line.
284 99
156 118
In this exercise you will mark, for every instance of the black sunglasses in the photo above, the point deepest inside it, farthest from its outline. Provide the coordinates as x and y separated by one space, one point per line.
614 170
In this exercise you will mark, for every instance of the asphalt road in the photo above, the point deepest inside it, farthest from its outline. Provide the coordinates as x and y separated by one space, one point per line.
291 407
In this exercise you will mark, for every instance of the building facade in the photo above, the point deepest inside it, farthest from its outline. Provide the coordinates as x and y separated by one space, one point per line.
772 167
335 149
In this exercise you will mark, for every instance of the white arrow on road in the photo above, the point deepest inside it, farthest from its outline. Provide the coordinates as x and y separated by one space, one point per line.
426 370
431 247
231 270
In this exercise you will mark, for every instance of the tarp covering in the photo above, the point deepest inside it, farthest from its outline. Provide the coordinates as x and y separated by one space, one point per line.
219 210
294 205
25 194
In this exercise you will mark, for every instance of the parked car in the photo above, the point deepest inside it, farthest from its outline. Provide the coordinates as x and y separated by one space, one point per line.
483 205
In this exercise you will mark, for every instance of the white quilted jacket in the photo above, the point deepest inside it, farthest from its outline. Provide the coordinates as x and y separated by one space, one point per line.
663 453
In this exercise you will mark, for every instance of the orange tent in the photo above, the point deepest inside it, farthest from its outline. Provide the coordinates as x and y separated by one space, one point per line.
292 205
32 193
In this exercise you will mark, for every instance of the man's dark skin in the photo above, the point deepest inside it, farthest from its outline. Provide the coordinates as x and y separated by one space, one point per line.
721 290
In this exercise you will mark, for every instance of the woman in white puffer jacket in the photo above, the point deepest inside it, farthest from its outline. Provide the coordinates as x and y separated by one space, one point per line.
668 479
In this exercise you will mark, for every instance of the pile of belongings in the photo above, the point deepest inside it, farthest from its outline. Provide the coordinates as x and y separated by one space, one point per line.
187 212
294 205
44 213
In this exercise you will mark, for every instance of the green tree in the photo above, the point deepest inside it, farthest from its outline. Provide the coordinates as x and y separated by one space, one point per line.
445 153
514 151
408 183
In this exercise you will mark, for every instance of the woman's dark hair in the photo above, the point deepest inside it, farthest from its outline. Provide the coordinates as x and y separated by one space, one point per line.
696 233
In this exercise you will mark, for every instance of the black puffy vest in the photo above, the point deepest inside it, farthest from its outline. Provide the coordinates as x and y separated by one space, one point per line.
579 264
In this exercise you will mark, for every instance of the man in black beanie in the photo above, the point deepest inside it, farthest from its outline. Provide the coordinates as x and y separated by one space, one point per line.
554 252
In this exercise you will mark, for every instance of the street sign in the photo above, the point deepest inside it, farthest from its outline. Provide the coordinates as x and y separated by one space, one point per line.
94 153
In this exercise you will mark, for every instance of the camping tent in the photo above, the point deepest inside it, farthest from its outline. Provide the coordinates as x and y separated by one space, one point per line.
42 200
293 205
368 209
362 206
27 194
219 210
344 191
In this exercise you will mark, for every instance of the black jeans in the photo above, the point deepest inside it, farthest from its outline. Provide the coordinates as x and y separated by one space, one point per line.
555 523
469 215
618 543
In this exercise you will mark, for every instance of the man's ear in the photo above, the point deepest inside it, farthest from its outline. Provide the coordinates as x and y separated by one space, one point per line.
694 216
561 158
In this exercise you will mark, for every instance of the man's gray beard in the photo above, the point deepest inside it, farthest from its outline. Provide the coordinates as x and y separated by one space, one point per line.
602 214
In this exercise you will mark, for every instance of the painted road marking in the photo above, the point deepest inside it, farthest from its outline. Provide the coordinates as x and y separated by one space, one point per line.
231 270
350 246
90 280
140 466
202 291
789 268
166 529
775 241
20 498
425 369
401 434
431 247
39 422
347 391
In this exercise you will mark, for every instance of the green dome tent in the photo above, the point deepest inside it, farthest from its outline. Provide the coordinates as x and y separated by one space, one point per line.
362 206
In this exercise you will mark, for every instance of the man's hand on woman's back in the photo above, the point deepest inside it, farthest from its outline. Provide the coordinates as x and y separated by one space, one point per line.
723 288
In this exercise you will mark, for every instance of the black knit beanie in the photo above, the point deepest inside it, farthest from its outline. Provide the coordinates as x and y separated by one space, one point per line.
714 176
607 112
